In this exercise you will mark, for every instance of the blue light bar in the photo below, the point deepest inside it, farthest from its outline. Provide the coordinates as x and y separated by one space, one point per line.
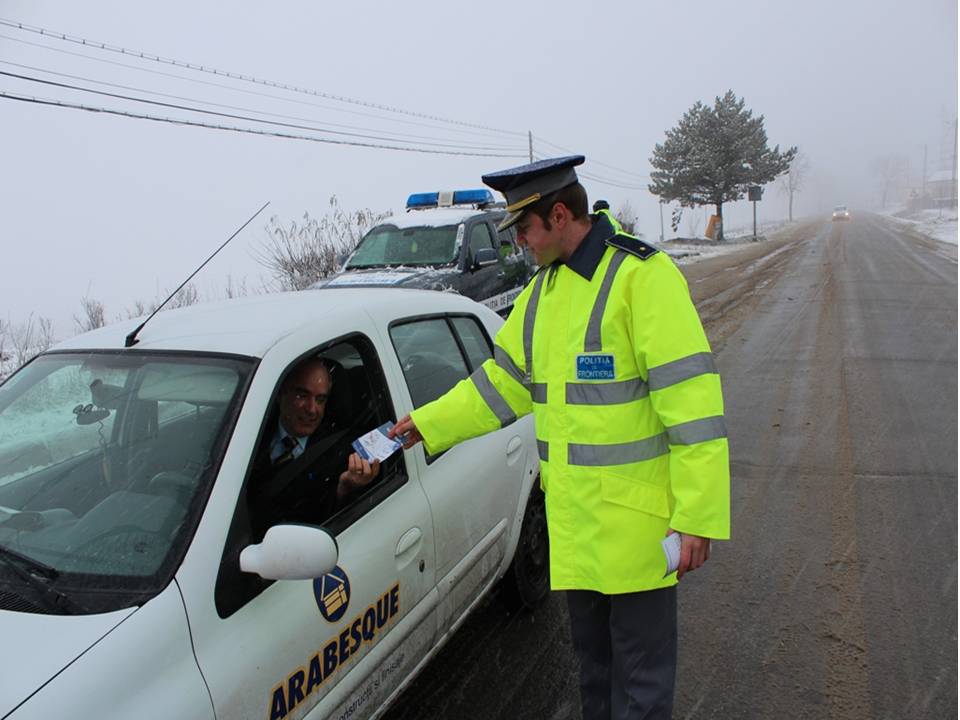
423 200
469 197
460 197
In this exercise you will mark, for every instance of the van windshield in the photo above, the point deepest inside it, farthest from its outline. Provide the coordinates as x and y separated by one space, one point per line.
105 463
388 245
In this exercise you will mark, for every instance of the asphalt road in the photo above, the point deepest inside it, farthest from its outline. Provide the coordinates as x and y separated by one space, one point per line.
837 596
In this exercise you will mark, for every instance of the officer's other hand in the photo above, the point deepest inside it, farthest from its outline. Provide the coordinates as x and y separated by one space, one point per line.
359 474
406 428
694 552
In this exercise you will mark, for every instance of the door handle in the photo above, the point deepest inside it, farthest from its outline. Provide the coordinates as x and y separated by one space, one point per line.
408 540
514 446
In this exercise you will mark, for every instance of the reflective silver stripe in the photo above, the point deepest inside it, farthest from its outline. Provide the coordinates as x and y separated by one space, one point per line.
543 450
506 363
697 431
619 454
528 317
492 397
592 341
612 393
538 393
677 371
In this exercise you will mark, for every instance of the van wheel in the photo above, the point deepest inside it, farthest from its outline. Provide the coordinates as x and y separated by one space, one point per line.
527 581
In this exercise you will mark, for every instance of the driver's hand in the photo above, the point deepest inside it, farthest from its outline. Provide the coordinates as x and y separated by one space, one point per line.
406 428
359 474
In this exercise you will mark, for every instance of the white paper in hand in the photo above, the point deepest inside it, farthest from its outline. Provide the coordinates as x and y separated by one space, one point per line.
671 548
375 445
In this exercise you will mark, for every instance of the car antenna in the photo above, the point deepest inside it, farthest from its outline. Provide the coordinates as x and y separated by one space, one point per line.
131 339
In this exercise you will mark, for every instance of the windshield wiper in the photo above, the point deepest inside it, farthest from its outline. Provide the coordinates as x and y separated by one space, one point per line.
38 576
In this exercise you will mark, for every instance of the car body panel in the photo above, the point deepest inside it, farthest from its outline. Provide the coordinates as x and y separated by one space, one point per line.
419 560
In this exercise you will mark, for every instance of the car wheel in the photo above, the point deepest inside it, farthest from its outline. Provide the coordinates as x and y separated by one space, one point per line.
527 581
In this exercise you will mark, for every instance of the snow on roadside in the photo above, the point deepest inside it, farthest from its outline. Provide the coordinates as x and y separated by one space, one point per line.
936 224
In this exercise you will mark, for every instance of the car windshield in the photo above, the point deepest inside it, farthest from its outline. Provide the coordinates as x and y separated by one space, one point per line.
105 460
387 245
840 208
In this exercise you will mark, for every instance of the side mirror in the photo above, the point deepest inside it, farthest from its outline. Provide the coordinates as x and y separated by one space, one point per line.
485 256
291 552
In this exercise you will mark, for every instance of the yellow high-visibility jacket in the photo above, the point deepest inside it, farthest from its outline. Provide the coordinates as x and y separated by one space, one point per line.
608 353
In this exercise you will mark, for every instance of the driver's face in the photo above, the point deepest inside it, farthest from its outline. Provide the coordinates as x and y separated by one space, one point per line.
303 399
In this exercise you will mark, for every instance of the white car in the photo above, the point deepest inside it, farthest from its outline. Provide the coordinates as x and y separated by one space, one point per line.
138 576
840 212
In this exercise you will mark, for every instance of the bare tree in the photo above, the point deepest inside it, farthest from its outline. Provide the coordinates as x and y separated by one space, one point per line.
92 314
45 336
891 174
628 218
791 183
186 296
299 254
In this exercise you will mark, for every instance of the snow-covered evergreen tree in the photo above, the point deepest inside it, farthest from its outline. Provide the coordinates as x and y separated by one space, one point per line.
714 154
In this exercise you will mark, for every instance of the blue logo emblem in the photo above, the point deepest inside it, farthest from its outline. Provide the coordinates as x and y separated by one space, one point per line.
595 367
332 592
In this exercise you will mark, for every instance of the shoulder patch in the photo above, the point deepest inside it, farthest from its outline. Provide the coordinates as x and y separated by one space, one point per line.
632 245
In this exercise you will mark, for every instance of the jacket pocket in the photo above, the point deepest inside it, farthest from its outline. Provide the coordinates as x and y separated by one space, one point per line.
635 494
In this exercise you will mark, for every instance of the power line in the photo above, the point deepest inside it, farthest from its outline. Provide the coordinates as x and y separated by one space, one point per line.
244 91
601 180
231 116
597 162
249 131
464 144
238 76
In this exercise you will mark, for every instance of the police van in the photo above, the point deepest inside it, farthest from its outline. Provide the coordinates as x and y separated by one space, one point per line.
444 241
151 567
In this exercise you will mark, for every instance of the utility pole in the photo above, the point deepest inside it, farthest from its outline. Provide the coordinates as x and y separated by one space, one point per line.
953 179
661 221
530 141
923 191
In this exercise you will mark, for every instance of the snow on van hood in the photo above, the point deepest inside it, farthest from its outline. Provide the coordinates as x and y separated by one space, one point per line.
37 647
428 278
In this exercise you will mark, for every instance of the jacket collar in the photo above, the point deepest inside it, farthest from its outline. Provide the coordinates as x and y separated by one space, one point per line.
589 252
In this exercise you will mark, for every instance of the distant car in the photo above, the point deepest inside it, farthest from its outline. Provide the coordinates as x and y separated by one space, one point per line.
840 212
444 241
149 569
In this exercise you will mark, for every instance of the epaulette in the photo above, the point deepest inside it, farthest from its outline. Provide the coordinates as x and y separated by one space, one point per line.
632 245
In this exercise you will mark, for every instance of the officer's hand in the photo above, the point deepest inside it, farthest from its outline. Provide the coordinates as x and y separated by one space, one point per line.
359 474
694 552
406 427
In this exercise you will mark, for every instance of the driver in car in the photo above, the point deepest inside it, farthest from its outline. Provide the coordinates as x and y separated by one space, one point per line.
301 406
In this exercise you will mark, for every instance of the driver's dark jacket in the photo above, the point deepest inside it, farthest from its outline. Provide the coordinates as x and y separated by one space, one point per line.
302 490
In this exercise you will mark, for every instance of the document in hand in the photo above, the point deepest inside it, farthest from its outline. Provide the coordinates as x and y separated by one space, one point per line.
671 548
375 445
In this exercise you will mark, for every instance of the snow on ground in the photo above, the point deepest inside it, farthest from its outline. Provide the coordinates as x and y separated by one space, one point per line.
937 224
690 250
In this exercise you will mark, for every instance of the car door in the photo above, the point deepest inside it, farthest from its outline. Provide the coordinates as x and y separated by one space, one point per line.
473 488
486 282
293 648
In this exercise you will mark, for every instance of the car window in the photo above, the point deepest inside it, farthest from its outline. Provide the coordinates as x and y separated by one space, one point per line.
430 357
508 242
303 486
480 238
475 341
105 460
389 245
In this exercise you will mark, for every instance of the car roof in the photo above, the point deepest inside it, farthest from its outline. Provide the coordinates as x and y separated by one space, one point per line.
252 325
435 217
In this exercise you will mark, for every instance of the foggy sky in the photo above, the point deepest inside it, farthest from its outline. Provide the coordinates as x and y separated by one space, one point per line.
120 209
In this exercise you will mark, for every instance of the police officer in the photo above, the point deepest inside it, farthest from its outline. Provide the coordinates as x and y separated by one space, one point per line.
605 348
602 207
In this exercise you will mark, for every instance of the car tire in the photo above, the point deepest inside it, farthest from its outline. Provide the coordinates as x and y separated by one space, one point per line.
527 580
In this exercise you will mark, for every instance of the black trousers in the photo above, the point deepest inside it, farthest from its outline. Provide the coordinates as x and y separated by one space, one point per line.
627 647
